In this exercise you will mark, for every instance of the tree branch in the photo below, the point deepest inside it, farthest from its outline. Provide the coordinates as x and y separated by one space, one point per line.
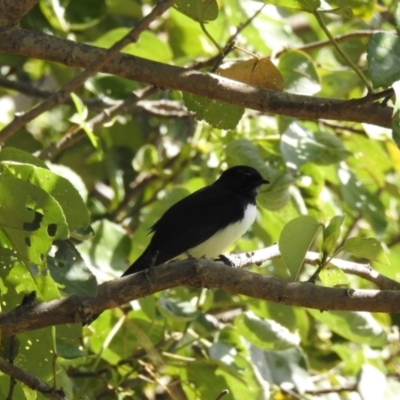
31 381
33 91
12 11
197 273
95 65
364 271
39 45
77 133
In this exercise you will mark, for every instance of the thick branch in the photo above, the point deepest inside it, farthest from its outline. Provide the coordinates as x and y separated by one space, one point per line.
39 45
91 69
30 381
11 11
197 273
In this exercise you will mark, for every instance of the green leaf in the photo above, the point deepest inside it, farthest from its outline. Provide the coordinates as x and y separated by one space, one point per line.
396 128
198 10
108 249
30 218
13 154
332 234
302 5
383 55
396 18
295 240
299 73
361 201
358 327
332 150
145 159
16 281
175 310
69 270
284 366
206 379
68 339
80 118
265 334
396 111
83 15
219 114
59 188
368 248
333 276
273 196
300 146
36 353
149 45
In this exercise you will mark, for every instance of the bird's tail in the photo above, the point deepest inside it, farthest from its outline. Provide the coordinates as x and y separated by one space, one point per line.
142 263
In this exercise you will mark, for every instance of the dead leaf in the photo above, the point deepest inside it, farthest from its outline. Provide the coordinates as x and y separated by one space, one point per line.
256 72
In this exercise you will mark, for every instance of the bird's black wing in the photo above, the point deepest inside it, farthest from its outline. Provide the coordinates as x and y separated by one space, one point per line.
194 219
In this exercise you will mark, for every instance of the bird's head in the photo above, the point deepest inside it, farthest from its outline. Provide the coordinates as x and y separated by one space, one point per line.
243 179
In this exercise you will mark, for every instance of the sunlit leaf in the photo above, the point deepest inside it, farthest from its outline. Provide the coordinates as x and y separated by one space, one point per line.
198 10
358 327
256 72
30 218
295 240
149 46
368 248
266 334
384 59
332 234
333 276
303 5
68 269
181 311
59 188
299 73
219 114
361 201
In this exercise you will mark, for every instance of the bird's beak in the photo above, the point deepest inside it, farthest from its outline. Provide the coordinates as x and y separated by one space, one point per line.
264 181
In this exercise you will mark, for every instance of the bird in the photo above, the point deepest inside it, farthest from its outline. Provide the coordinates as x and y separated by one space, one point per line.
206 222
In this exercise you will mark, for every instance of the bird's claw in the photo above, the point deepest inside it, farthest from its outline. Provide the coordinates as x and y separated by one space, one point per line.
226 261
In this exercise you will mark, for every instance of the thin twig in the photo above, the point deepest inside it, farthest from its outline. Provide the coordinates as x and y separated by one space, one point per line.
216 60
349 387
32 91
60 96
76 134
323 43
342 53
30 381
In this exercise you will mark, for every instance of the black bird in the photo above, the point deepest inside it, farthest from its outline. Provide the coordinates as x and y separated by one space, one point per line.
206 222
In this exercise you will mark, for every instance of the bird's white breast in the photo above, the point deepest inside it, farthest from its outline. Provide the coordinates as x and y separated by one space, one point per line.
217 243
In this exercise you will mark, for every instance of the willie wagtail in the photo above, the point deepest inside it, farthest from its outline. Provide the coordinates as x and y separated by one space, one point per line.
206 222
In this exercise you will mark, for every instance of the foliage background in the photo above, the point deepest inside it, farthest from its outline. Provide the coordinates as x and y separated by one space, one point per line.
186 342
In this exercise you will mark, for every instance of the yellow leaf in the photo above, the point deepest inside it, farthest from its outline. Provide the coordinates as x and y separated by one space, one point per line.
256 72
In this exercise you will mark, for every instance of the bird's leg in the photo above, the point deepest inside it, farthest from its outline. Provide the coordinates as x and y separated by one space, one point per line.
149 272
226 261
153 260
